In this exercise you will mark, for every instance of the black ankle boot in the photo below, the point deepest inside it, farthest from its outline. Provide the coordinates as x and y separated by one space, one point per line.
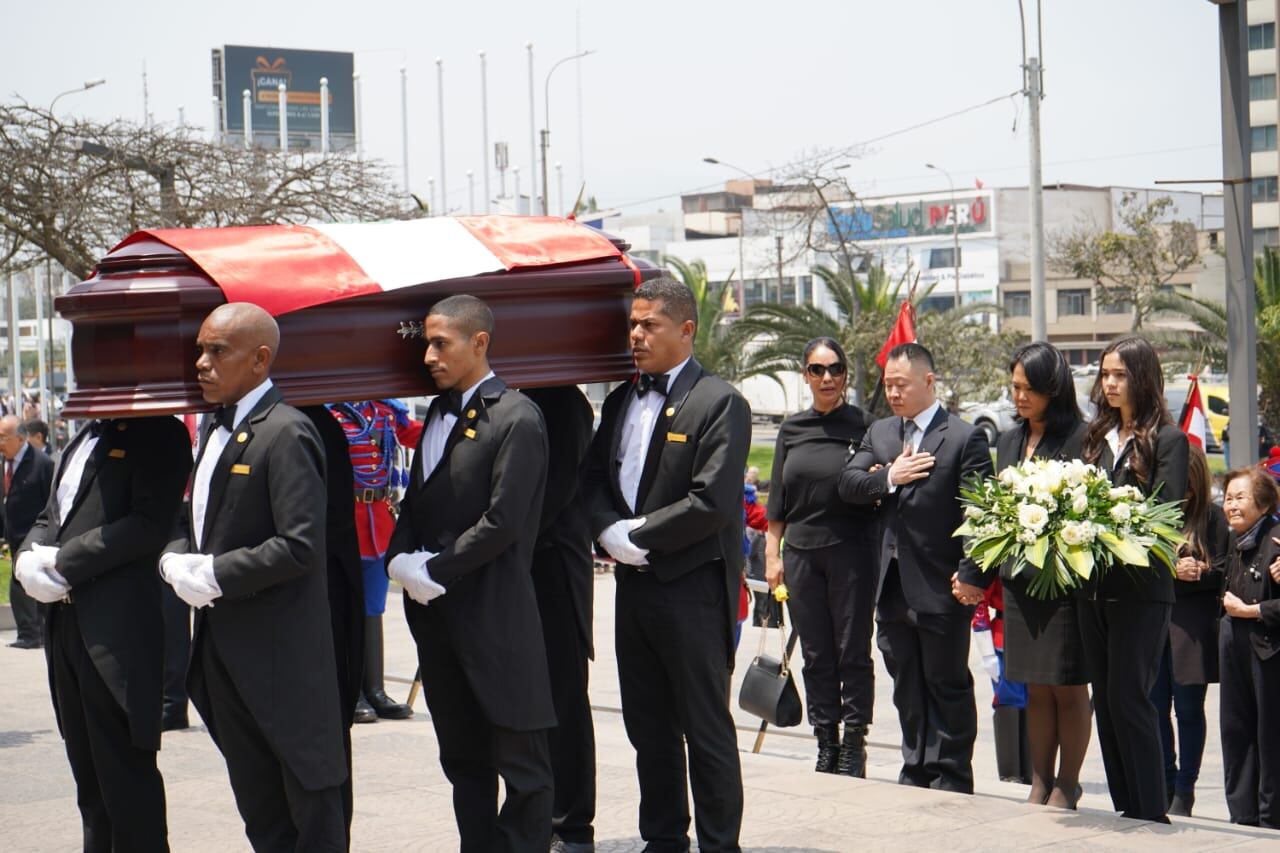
853 752
828 748
374 691
1182 803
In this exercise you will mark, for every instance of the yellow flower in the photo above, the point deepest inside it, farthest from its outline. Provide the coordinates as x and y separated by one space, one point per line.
780 592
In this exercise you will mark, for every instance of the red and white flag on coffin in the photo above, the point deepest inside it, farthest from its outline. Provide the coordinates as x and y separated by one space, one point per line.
1194 422
285 268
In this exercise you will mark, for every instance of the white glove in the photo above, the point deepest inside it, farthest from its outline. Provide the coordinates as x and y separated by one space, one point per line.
987 648
616 539
192 578
410 571
37 580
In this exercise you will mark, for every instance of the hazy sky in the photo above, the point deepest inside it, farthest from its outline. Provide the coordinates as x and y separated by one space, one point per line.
1132 85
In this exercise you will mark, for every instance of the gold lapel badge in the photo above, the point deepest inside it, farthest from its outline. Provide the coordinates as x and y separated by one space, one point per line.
116 453
671 411
471 434
242 437
240 469
677 437
471 413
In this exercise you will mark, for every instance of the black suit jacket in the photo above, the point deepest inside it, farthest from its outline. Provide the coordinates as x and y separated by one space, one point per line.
1169 480
921 516
28 494
129 495
265 527
564 536
690 491
479 512
1264 632
1061 446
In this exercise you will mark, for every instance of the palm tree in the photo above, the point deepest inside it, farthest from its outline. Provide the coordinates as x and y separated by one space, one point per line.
717 344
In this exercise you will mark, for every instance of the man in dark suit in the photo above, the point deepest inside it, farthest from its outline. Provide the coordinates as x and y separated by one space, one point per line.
91 557
250 556
28 475
663 488
463 549
564 581
921 456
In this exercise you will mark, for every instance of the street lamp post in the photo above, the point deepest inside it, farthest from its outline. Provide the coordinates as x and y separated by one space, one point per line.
484 129
444 200
742 221
83 87
546 120
324 115
560 187
955 228
282 101
246 104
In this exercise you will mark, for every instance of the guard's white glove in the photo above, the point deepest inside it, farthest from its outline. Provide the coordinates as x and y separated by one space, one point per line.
192 578
410 571
43 584
987 648
616 539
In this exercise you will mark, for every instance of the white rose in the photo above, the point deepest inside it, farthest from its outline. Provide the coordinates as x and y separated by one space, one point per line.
1076 472
1079 501
1072 533
972 513
1121 513
1009 476
1032 517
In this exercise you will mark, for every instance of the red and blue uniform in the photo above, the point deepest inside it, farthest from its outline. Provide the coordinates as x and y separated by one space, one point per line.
375 430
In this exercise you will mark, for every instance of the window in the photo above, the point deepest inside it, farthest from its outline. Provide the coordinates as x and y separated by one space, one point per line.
1265 237
806 289
1117 308
1017 303
944 258
1262 87
1262 36
1079 357
1266 189
932 304
1262 138
1217 405
1073 303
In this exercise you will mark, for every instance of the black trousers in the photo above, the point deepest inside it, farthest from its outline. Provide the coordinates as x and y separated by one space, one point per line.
474 753
118 787
833 601
1123 643
927 654
177 651
673 671
28 614
1249 708
280 815
573 741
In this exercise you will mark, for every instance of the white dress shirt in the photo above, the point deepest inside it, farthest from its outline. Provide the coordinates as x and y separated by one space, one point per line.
921 421
209 460
637 432
439 428
72 474
1117 447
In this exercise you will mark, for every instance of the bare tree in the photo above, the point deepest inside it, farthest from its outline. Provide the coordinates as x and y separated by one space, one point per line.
1133 264
71 190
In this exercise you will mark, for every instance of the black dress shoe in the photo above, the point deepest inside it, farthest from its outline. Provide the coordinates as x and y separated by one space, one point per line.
23 643
365 712
387 708
1183 802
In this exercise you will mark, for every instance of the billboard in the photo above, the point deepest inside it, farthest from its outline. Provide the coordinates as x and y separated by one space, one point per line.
261 70
899 219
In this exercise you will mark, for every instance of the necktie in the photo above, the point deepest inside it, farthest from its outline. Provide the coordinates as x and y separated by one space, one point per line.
8 474
909 436
225 417
451 404
651 382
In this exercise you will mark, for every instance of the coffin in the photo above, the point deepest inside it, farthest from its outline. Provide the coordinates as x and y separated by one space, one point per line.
350 301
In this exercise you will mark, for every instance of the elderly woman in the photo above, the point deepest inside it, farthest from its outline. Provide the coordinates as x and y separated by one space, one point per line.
1248 639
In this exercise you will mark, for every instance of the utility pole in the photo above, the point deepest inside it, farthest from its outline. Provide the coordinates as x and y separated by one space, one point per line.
324 115
484 130
15 356
533 136
404 124
778 243
1035 189
282 101
444 200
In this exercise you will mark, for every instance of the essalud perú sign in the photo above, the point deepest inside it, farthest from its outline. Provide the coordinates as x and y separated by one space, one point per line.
910 219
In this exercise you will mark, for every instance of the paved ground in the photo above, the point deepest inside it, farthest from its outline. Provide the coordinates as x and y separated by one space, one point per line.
403 800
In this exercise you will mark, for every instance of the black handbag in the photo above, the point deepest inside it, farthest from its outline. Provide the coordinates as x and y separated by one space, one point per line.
768 690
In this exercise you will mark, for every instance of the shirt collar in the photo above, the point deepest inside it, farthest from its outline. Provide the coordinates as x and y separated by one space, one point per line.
470 392
1113 441
923 419
248 401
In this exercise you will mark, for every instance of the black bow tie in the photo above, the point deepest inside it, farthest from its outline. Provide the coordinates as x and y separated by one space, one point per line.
451 404
651 382
225 417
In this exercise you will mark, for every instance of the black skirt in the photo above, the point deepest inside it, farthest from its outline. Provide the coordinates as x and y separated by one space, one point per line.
1193 638
1041 639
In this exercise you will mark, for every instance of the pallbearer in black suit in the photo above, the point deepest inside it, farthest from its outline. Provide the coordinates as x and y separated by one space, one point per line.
28 473
1249 637
463 550
1124 623
250 556
1042 638
91 557
925 455
830 563
663 487
564 580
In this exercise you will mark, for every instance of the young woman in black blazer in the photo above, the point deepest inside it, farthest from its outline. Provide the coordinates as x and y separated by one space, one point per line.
1124 623
1190 662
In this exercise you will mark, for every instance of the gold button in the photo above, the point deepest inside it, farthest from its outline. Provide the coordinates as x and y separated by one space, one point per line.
471 413
671 411
242 437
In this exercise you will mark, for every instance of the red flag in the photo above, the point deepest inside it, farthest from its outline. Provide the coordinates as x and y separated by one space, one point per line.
1193 421
977 182
904 332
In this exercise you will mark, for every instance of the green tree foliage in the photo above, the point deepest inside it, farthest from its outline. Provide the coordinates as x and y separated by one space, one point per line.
718 345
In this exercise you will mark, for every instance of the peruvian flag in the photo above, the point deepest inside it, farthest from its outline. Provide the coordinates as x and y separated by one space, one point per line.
1193 421
904 332
284 268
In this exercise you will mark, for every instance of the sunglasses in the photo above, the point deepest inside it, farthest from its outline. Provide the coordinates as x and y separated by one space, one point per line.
835 370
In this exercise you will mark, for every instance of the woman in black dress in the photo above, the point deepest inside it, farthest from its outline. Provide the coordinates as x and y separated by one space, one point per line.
1124 622
1248 640
829 561
1190 662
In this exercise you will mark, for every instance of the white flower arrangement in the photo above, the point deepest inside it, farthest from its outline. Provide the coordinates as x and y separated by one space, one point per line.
1065 521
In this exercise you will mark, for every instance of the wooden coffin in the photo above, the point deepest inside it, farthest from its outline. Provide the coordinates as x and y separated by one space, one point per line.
135 323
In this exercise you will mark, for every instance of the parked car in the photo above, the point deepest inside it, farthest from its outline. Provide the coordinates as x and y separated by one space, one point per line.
992 418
